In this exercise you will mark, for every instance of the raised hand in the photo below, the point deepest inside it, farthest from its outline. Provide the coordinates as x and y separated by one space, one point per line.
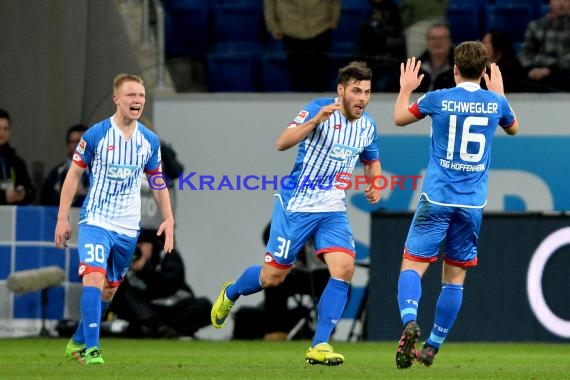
494 81
410 79
326 112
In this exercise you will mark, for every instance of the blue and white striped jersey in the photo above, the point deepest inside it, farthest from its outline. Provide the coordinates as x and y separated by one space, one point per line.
464 120
115 169
329 152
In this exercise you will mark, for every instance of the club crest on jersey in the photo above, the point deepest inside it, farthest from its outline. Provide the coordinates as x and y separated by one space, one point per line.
340 152
120 172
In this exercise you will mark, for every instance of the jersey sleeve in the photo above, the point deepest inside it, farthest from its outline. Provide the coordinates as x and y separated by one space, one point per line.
508 116
370 154
153 164
310 110
85 150
423 107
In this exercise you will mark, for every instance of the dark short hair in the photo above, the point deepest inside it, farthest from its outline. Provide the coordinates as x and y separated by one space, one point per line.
471 58
75 128
5 115
355 70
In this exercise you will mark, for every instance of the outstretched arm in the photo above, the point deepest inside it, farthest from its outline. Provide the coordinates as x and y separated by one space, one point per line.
409 81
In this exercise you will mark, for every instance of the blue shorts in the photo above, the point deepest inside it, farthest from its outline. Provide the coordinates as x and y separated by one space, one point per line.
290 231
434 224
104 251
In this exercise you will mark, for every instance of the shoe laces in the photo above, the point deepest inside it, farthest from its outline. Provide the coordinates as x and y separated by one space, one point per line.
96 353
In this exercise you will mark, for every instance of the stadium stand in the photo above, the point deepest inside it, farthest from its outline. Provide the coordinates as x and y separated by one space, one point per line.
187 27
232 36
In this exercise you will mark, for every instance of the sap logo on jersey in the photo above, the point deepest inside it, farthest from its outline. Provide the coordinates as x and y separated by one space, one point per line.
341 152
120 172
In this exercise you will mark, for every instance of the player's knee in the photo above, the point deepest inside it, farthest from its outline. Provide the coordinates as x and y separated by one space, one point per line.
271 281
343 271
108 291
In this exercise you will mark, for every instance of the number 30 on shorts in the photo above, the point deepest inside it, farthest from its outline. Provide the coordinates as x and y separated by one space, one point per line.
95 252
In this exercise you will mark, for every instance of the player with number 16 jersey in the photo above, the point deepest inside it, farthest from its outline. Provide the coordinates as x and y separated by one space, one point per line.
450 209
464 120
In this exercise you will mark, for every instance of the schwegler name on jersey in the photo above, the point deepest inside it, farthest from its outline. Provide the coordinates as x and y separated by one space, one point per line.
115 170
330 150
464 119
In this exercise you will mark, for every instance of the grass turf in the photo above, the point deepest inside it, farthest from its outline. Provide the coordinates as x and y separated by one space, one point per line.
168 359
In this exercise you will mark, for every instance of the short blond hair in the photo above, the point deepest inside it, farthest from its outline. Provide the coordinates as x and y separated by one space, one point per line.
122 78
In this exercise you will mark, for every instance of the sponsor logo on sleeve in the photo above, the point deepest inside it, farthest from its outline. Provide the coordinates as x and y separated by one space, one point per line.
81 147
300 119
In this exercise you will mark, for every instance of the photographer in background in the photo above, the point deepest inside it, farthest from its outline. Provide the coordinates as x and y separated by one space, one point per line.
15 184
155 298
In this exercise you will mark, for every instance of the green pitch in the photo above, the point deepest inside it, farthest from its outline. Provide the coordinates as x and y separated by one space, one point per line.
167 359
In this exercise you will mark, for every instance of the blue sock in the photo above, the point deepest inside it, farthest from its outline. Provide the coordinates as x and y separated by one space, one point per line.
409 294
446 310
330 308
248 283
91 315
78 336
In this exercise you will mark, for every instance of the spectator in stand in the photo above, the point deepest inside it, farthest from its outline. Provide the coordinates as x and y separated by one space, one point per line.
545 54
437 60
502 52
382 44
305 26
417 16
15 184
51 188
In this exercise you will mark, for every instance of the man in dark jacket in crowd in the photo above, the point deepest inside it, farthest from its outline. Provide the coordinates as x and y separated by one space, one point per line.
15 184
51 188
155 298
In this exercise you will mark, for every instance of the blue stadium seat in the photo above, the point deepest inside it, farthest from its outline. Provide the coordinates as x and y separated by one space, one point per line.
336 61
355 4
238 22
258 3
237 46
542 10
187 27
273 45
275 72
465 22
517 2
512 19
540 7
232 71
346 33
479 3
